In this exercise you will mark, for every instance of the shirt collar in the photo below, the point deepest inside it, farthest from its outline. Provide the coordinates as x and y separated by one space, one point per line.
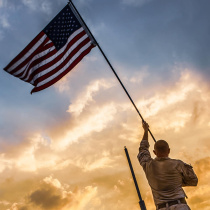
162 158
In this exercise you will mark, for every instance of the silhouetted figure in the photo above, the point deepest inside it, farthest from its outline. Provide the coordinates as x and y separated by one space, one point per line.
165 176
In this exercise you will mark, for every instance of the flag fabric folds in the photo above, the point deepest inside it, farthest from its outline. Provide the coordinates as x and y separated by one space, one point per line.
56 50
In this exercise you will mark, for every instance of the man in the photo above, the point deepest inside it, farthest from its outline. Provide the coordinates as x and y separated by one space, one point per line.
165 176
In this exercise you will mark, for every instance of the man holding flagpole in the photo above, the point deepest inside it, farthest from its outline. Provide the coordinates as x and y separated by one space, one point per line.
165 176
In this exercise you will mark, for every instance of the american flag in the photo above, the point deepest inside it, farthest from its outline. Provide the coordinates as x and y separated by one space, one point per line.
53 52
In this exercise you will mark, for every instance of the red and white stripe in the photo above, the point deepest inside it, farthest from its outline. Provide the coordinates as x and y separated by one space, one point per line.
41 64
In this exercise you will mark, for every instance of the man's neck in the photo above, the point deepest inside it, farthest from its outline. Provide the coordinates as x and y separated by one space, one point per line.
162 156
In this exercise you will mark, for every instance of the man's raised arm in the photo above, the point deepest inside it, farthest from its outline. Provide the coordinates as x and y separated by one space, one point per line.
144 154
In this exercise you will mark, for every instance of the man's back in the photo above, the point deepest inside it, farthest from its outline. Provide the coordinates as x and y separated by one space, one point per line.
164 175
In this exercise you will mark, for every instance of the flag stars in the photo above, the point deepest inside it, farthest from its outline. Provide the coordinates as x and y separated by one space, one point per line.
64 24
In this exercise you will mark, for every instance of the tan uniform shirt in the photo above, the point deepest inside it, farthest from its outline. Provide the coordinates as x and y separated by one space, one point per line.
166 176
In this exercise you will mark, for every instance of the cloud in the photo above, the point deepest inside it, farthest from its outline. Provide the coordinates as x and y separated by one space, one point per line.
86 148
202 167
87 96
4 21
24 156
2 3
90 115
96 122
91 164
199 198
45 6
30 3
62 85
51 194
184 101
136 2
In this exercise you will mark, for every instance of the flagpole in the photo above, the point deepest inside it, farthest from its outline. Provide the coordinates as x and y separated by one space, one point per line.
70 1
141 201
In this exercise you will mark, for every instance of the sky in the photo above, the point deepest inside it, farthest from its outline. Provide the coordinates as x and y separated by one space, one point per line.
63 148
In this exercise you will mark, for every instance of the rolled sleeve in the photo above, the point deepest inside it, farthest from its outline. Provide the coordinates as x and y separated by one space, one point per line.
189 176
144 154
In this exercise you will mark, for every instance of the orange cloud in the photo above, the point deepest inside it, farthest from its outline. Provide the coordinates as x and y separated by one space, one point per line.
85 151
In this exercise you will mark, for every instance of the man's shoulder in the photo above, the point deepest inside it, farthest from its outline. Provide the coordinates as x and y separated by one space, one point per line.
177 161
181 164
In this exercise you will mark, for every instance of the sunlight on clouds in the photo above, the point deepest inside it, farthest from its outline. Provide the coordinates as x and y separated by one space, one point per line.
182 101
94 123
26 158
68 154
5 203
28 161
139 76
169 97
82 151
131 134
51 194
87 96
199 198
25 161
92 164
54 182
85 199
62 85
62 165
100 163
175 120
179 122
4 163
14 206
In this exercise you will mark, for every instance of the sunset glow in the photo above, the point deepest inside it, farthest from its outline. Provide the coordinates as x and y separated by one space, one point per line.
63 148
